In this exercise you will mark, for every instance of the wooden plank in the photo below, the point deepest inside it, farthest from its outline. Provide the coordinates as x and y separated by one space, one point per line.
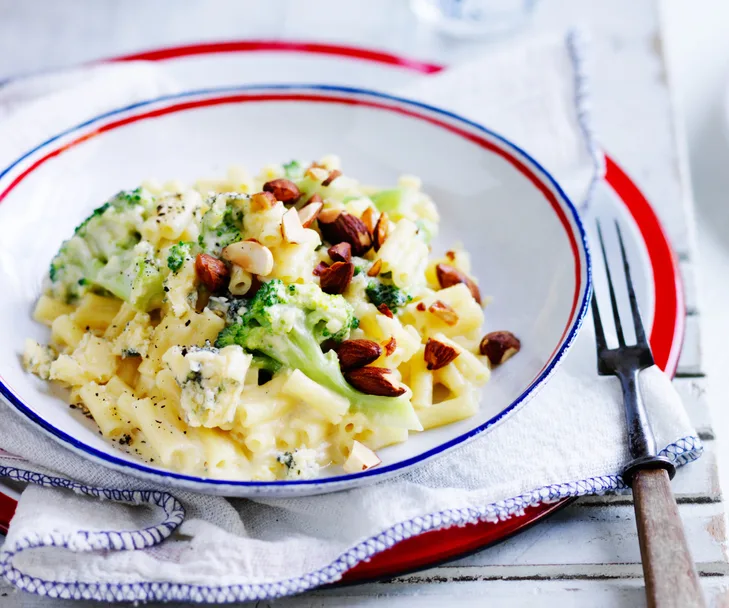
689 363
690 289
589 541
578 593
693 392
532 594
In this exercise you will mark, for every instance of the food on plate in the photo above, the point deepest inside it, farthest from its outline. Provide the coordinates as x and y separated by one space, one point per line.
265 328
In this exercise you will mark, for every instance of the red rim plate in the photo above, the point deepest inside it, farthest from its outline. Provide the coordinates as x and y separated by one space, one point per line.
438 546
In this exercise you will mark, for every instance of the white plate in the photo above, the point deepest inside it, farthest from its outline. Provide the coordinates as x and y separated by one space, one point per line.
525 237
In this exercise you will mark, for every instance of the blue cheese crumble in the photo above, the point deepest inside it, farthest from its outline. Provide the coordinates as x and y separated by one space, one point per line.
300 464
211 382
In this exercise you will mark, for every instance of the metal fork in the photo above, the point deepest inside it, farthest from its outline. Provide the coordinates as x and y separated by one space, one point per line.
670 575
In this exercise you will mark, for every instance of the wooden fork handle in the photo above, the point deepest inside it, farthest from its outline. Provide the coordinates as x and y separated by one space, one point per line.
670 575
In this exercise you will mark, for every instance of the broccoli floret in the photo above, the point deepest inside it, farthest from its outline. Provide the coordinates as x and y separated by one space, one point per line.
221 224
293 170
266 363
178 254
383 293
103 244
289 327
134 276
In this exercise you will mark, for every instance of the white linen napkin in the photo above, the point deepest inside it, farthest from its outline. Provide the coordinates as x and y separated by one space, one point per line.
102 541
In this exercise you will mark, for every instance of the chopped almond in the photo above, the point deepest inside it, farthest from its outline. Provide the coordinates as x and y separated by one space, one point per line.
261 201
331 177
385 310
375 268
341 252
291 227
309 212
251 256
368 218
438 355
320 267
360 459
444 312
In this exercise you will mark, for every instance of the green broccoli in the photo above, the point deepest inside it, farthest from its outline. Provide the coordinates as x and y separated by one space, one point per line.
134 276
178 254
293 170
289 326
104 254
391 200
388 294
221 224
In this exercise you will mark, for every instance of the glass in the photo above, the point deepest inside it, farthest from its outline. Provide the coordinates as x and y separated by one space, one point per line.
474 18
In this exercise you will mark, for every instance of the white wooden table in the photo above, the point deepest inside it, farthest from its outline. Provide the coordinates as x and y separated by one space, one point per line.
587 555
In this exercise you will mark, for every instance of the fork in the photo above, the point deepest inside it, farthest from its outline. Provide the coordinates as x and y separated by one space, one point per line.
670 575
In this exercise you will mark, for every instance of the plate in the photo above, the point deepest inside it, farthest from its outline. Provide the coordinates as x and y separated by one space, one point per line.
656 267
535 264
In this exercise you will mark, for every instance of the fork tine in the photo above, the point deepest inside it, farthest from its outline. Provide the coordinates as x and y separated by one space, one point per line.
613 299
599 332
637 321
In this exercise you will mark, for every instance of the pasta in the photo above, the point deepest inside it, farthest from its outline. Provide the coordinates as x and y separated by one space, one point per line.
260 327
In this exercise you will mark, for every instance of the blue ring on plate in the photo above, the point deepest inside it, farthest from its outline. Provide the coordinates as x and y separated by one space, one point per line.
536 384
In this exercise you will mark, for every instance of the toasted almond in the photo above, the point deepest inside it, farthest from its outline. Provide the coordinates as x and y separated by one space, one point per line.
318 174
291 227
360 459
309 212
381 231
374 381
385 310
336 278
284 190
346 228
368 218
449 276
327 216
212 273
390 346
320 267
261 201
251 256
438 355
315 198
341 252
331 177
357 353
499 346
444 312
375 268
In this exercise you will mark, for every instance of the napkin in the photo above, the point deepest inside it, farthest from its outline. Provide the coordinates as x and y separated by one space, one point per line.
87 532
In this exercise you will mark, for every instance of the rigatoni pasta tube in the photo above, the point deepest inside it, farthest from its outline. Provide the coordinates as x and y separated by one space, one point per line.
328 403
450 410
173 447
